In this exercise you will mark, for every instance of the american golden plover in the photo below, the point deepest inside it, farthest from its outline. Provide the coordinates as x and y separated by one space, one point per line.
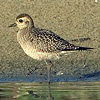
41 44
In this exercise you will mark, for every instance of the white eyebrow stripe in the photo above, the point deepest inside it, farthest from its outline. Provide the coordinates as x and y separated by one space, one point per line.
22 18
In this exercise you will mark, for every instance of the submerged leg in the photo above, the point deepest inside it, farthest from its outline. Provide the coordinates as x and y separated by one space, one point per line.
50 97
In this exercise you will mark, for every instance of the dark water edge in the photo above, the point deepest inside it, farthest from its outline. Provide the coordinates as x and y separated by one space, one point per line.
56 78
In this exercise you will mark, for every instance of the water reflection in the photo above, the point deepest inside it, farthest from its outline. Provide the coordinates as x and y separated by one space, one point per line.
50 97
53 91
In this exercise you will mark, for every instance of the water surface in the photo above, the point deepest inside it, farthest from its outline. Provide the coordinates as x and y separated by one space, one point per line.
54 91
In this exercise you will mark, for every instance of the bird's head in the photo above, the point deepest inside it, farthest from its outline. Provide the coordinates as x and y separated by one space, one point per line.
23 21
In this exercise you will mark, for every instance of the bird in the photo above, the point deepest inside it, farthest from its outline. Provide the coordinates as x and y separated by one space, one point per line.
41 44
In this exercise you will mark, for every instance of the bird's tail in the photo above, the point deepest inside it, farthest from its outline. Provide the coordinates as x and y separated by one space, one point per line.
83 48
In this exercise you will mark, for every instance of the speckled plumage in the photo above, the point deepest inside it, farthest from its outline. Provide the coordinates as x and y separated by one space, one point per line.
47 41
41 43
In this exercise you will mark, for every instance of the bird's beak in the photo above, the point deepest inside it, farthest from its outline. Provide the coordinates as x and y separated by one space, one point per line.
12 25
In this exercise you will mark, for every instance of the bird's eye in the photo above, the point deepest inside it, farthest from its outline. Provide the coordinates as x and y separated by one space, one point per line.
20 20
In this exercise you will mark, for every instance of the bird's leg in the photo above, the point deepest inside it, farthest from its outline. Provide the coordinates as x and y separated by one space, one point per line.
50 97
49 65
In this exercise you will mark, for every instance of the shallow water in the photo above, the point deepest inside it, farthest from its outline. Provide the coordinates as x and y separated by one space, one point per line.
54 91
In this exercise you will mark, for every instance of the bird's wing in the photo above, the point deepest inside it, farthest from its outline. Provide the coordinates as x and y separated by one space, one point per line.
48 41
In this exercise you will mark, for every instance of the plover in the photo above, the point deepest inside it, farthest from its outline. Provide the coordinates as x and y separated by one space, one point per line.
41 44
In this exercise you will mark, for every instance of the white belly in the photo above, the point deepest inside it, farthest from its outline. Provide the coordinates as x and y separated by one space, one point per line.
40 55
